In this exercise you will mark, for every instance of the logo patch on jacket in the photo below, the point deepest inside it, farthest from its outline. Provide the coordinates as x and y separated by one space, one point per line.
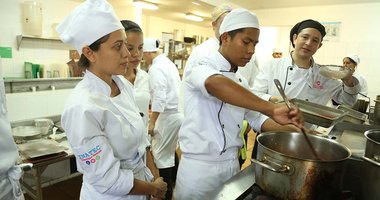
318 85
91 156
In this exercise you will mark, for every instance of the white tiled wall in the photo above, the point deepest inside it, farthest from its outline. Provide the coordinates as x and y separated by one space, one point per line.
23 106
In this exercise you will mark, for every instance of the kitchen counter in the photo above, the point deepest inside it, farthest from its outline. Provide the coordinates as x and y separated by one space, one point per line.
236 187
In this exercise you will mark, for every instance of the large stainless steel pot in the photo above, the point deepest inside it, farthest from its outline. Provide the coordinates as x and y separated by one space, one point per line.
286 167
372 147
371 174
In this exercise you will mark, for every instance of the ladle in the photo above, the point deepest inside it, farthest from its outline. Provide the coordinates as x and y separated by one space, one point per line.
282 93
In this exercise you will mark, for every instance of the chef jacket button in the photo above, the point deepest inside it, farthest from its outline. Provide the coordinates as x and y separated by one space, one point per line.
289 83
291 68
306 99
240 79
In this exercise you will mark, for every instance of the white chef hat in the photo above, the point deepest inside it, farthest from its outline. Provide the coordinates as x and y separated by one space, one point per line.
87 23
151 45
220 10
354 57
237 19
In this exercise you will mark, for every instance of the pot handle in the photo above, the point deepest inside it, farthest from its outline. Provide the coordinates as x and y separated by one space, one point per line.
370 161
284 168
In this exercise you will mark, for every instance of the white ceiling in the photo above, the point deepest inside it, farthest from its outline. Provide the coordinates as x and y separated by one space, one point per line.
176 9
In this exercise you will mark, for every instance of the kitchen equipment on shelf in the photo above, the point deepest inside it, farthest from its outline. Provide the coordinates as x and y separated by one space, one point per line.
319 114
361 105
32 18
334 71
74 69
25 131
31 70
45 125
352 115
286 170
376 111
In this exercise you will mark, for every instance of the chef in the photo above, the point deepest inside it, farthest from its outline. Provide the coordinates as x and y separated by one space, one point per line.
217 102
211 45
134 74
165 120
100 117
299 73
352 61
9 172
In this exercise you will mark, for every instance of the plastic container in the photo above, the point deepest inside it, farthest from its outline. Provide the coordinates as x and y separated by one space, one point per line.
32 18
28 70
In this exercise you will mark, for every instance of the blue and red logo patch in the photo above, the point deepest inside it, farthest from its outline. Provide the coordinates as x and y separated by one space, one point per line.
91 156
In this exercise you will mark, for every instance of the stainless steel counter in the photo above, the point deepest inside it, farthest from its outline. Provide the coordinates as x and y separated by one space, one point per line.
236 186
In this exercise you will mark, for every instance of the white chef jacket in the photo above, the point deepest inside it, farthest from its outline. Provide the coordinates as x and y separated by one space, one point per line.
363 83
201 132
9 173
305 84
202 50
141 92
250 70
106 135
210 131
207 48
165 85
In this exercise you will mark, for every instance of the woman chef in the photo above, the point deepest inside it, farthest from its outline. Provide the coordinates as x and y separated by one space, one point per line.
101 119
136 76
216 103
9 172
351 61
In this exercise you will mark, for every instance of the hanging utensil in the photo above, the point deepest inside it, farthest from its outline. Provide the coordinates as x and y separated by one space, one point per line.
282 93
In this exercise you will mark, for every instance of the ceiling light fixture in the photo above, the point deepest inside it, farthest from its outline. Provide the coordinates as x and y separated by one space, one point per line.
195 3
193 17
145 5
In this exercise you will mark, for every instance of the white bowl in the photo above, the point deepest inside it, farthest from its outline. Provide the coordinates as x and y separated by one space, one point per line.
334 71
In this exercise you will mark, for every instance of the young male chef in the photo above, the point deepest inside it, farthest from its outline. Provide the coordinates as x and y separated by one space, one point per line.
9 173
217 102
300 75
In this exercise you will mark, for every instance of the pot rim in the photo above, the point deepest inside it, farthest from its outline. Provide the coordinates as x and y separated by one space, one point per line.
303 159
368 132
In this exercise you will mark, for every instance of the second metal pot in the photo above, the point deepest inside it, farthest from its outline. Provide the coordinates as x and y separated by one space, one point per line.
286 168
372 147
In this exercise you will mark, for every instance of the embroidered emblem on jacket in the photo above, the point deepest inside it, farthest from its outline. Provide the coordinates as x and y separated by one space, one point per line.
91 156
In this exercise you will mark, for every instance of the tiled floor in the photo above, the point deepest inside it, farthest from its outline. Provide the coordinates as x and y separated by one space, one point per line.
65 190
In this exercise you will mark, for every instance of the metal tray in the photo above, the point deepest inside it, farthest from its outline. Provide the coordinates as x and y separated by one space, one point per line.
40 147
319 114
353 116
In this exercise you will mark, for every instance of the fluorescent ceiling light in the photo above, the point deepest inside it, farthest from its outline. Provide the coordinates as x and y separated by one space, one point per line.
195 3
145 5
193 17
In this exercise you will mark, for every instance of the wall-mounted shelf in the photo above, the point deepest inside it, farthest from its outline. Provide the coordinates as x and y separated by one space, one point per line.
40 84
21 38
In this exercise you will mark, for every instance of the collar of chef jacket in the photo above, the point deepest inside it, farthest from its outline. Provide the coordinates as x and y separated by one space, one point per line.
102 86
126 91
223 64
310 76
